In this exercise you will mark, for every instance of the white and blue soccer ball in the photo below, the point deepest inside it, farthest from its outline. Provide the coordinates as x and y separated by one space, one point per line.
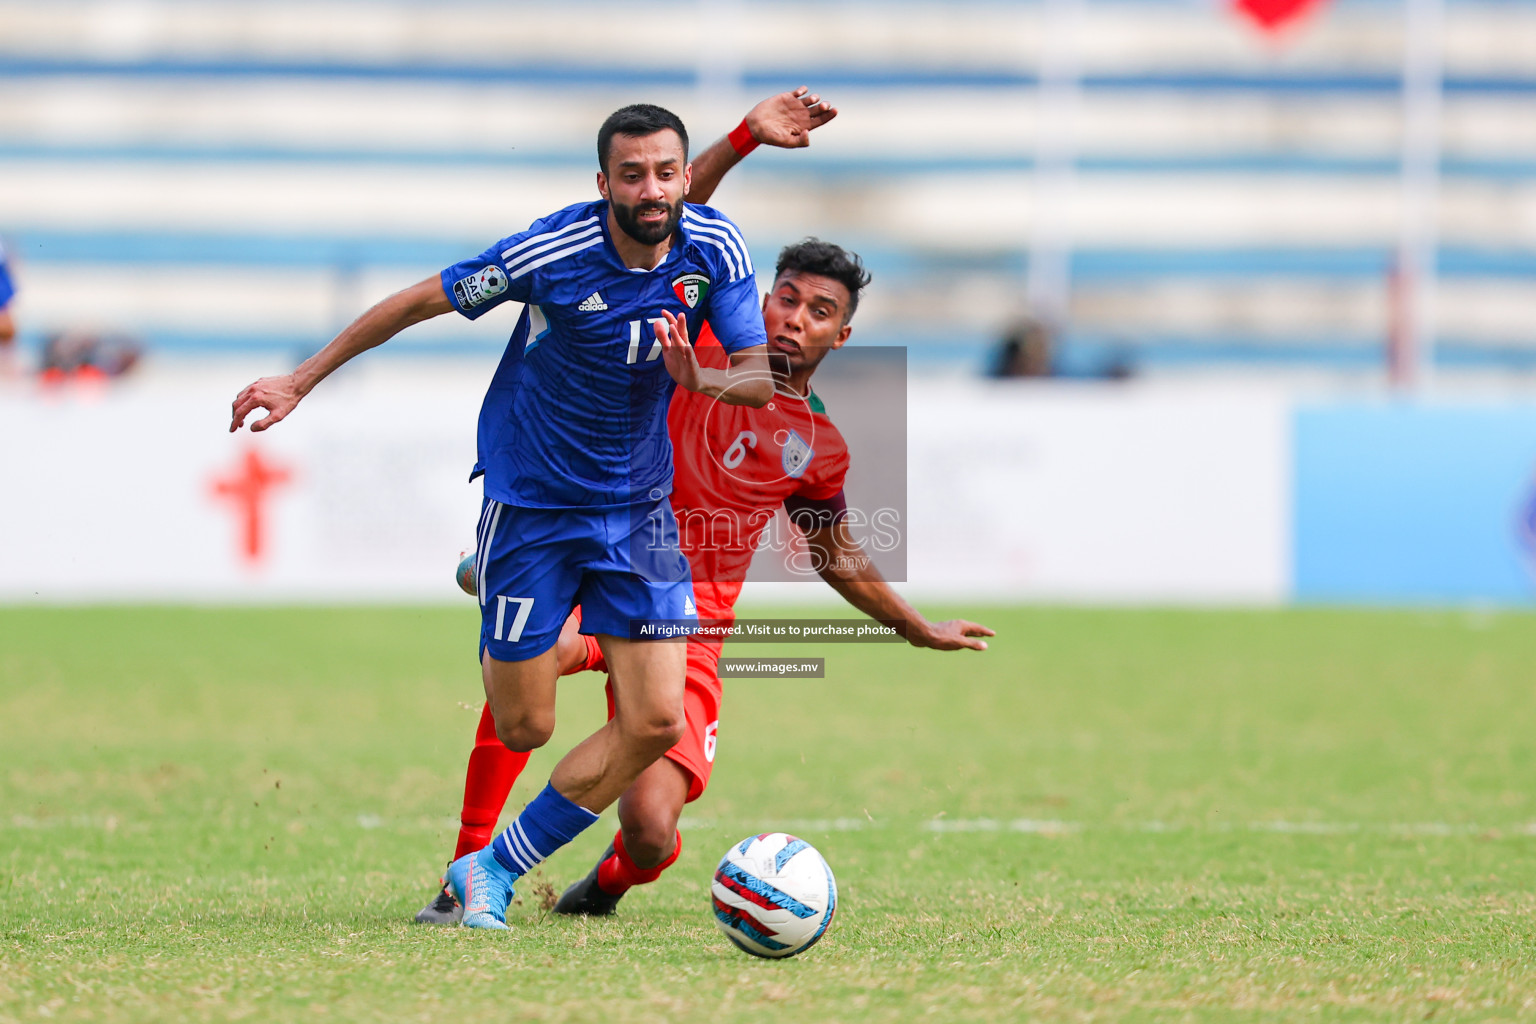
773 895
465 575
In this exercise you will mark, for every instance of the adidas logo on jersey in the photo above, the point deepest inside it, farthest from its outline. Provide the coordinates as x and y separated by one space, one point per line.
688 606
591 304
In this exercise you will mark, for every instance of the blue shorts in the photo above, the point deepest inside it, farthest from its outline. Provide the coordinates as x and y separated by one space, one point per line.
622 565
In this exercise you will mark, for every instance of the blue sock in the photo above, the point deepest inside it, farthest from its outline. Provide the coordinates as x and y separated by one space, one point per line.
546 824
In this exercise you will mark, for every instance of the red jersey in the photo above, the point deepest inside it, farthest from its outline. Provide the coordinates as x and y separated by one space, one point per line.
734 466
732 469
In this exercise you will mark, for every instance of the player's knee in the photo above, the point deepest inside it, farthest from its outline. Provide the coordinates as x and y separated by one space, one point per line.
670 729
524 731
658 731
649 843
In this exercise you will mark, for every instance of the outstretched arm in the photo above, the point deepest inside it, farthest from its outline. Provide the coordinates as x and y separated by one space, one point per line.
784 121
748 381
841 561
279 395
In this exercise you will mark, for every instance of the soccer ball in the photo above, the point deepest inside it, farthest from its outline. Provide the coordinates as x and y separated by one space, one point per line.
773 895
465 574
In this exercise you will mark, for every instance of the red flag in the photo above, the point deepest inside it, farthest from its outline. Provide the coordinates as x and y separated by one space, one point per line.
1274 15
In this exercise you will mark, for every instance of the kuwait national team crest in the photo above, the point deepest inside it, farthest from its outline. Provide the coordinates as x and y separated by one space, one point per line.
691 288
797 455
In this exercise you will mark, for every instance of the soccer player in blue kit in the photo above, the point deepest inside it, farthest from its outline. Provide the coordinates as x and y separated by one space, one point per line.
577 461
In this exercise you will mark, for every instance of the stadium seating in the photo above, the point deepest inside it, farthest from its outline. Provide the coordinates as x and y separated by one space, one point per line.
221 177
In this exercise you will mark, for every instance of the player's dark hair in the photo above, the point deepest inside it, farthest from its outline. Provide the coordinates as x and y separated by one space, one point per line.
637 121
813 256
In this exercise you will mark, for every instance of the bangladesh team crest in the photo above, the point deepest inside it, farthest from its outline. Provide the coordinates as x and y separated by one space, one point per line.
797 455
691 288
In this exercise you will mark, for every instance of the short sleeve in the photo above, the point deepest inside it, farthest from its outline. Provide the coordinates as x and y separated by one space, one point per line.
819 501
735 316
477 285
509 269
733 311
826 485
828 471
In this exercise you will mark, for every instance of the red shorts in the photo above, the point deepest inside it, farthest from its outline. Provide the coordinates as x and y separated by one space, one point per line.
695 752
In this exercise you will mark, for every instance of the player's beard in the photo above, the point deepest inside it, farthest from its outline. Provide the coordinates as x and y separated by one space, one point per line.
628 218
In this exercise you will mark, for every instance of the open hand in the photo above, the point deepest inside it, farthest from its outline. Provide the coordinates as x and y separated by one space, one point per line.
677 351
277 395
786 120
954 635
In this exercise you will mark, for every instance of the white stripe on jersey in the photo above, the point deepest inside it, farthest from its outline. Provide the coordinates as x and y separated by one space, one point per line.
716 222
480 549
526 267
725 229
485 547
730 257
522 258
546 236
736 257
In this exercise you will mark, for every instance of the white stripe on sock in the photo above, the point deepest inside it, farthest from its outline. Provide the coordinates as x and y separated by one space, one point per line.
514 849
517 851
506 849
533 854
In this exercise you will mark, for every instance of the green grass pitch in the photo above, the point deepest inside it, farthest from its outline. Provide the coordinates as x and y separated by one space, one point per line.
1168 815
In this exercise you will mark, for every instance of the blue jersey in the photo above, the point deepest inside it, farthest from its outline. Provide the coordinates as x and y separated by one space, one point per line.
7 289
576 415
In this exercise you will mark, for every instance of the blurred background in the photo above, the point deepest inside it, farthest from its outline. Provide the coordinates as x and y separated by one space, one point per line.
1201 302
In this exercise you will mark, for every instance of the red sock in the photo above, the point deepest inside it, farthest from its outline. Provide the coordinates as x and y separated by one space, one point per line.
594 653
492 771
616 874
594 661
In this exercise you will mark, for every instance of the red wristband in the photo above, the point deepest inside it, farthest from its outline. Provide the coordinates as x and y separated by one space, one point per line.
741 139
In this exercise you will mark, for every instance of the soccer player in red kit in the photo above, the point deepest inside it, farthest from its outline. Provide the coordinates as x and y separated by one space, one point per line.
734 468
